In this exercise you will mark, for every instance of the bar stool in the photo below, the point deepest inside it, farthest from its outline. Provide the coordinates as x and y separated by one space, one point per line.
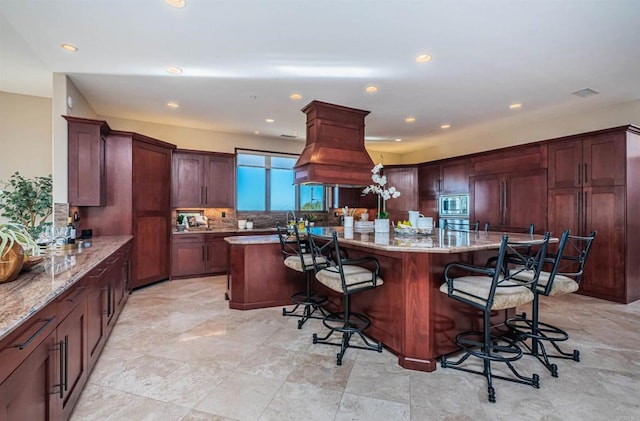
347 277
297 257
488 289
567 267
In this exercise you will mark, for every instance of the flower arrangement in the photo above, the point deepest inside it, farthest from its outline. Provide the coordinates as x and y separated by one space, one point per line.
379 187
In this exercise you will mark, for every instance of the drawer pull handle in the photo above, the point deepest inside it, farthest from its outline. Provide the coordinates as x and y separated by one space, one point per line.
78 294
97 275
26 343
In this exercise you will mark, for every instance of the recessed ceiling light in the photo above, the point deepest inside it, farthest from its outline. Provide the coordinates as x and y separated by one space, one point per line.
174 70
423 58
515 105
445 126
371 89
172 104
176 3
295 96
398 140
69 47
410 119
256 132
253 97
269 120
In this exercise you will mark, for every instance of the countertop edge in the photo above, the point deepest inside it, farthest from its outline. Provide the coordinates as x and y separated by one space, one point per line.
9 326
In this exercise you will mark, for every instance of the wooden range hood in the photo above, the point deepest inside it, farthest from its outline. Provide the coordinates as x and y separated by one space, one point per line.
334 154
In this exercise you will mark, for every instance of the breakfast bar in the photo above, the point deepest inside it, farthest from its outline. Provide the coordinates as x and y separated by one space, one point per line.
409 315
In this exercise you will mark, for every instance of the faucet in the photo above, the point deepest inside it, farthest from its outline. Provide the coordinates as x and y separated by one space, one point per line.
286 217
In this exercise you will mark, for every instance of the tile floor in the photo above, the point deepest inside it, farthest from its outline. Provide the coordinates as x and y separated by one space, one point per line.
179 353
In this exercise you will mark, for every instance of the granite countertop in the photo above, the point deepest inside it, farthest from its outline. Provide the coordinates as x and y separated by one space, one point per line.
441 241
37 287
229 230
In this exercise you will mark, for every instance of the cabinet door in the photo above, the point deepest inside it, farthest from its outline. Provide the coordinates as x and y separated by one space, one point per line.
219 183
486 199
216 256
405 180
604 211
187 180
454 176
187 258
428 180
604 160
565 210
86 175
96 313
525 199
71 337
27 394
565 164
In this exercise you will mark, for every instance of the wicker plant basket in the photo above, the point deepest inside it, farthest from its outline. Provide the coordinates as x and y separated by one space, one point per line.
11 263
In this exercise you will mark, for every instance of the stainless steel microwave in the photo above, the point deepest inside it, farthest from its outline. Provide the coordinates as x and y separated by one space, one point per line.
454 205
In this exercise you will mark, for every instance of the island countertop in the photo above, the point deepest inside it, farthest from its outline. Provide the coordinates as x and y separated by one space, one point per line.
440 241
61 269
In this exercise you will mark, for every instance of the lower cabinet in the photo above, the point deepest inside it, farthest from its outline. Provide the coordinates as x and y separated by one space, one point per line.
203 254
45 364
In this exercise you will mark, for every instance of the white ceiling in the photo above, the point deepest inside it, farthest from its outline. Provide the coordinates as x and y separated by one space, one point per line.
486 55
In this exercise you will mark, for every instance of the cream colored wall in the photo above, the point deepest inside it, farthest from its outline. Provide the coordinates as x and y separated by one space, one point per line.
508 132
81 107
25 136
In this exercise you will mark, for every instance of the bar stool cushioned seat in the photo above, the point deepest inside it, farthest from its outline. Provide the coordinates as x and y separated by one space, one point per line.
296 256
563 277
346 276
488 289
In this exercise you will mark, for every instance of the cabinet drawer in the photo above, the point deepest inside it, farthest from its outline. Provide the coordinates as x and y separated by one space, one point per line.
18 345
187 238
70 299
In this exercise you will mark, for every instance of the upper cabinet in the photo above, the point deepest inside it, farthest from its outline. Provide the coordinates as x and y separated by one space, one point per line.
86 162
446 177
405 180
587 162
203 179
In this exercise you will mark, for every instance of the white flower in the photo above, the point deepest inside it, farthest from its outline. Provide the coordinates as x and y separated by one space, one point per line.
376 169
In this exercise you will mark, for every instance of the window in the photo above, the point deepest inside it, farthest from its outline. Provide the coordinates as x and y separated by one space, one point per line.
265 183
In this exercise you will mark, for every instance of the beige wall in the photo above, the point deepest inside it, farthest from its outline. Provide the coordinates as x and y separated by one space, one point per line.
25 135
508 132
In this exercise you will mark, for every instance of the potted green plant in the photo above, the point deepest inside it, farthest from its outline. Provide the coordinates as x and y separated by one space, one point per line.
15 242
26 201
180 222
313 218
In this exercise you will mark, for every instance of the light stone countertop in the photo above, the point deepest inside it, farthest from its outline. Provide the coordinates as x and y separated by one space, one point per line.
37 287
229 230
441 241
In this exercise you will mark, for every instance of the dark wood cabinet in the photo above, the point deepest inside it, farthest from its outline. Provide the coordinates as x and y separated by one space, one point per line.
138 202
445 177
71 337
86 162
187 255
97 302
588 161
405 180
31 391
216 254
512 199
593 179
46 362
202 179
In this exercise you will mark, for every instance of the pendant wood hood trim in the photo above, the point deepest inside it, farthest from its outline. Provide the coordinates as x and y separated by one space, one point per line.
334 153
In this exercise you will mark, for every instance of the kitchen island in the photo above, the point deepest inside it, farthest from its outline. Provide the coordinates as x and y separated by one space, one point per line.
409 315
